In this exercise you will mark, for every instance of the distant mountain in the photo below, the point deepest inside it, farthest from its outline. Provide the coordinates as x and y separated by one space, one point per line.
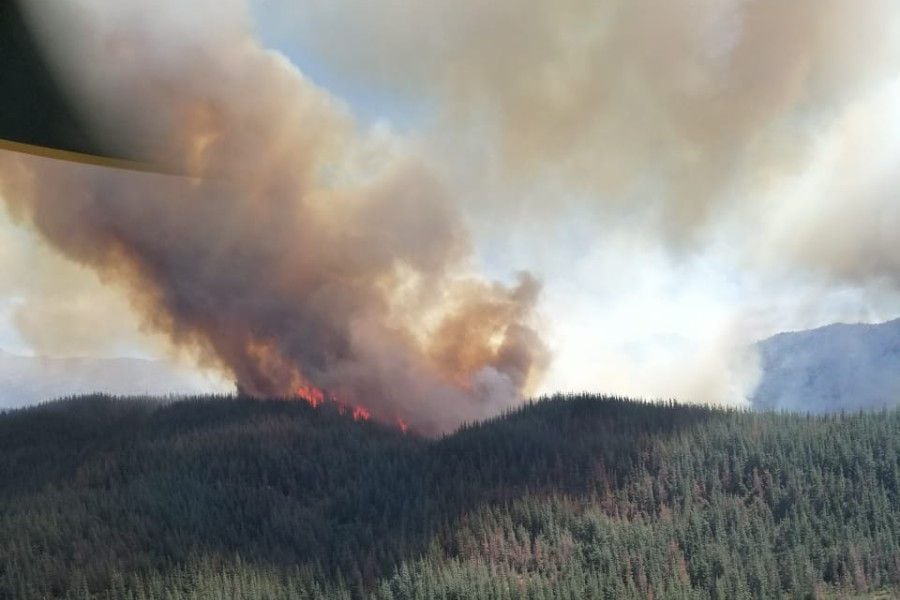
28 380
833 368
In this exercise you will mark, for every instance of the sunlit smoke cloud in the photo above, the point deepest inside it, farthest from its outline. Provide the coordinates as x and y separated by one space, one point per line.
761 135
759 132
298 250
681 112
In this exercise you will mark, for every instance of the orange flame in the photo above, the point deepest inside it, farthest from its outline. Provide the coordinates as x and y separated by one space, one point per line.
361 413
313 395
317 397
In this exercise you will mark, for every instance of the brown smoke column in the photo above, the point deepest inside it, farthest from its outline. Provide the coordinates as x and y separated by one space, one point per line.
297 251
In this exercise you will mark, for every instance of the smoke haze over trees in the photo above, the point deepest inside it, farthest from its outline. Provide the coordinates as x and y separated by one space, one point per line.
836 368
26 380
296 250
737 160
616 195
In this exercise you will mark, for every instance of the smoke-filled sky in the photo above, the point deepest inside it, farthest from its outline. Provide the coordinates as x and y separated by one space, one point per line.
435 208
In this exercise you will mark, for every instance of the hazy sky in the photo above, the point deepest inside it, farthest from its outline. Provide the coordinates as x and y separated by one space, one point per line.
684 178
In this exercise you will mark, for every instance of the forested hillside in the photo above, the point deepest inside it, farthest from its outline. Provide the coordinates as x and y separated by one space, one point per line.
576 497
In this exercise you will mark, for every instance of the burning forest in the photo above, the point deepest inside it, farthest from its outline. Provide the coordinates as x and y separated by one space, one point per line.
414 221
400 299
291 250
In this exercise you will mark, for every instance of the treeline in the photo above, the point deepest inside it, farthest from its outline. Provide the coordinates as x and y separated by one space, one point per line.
576 497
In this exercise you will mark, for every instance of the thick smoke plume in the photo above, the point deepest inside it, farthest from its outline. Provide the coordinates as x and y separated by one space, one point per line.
298 251
684 116
760 134
686 177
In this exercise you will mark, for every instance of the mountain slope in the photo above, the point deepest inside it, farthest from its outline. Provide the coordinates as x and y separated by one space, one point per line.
567 498
833 368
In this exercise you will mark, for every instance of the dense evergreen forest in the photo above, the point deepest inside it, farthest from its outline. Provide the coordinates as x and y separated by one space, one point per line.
577 497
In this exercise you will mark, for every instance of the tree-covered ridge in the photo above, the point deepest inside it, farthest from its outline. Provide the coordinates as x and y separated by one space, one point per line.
572 497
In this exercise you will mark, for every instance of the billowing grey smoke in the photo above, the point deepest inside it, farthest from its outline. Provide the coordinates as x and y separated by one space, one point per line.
760 134
771 123
748 150
298 251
